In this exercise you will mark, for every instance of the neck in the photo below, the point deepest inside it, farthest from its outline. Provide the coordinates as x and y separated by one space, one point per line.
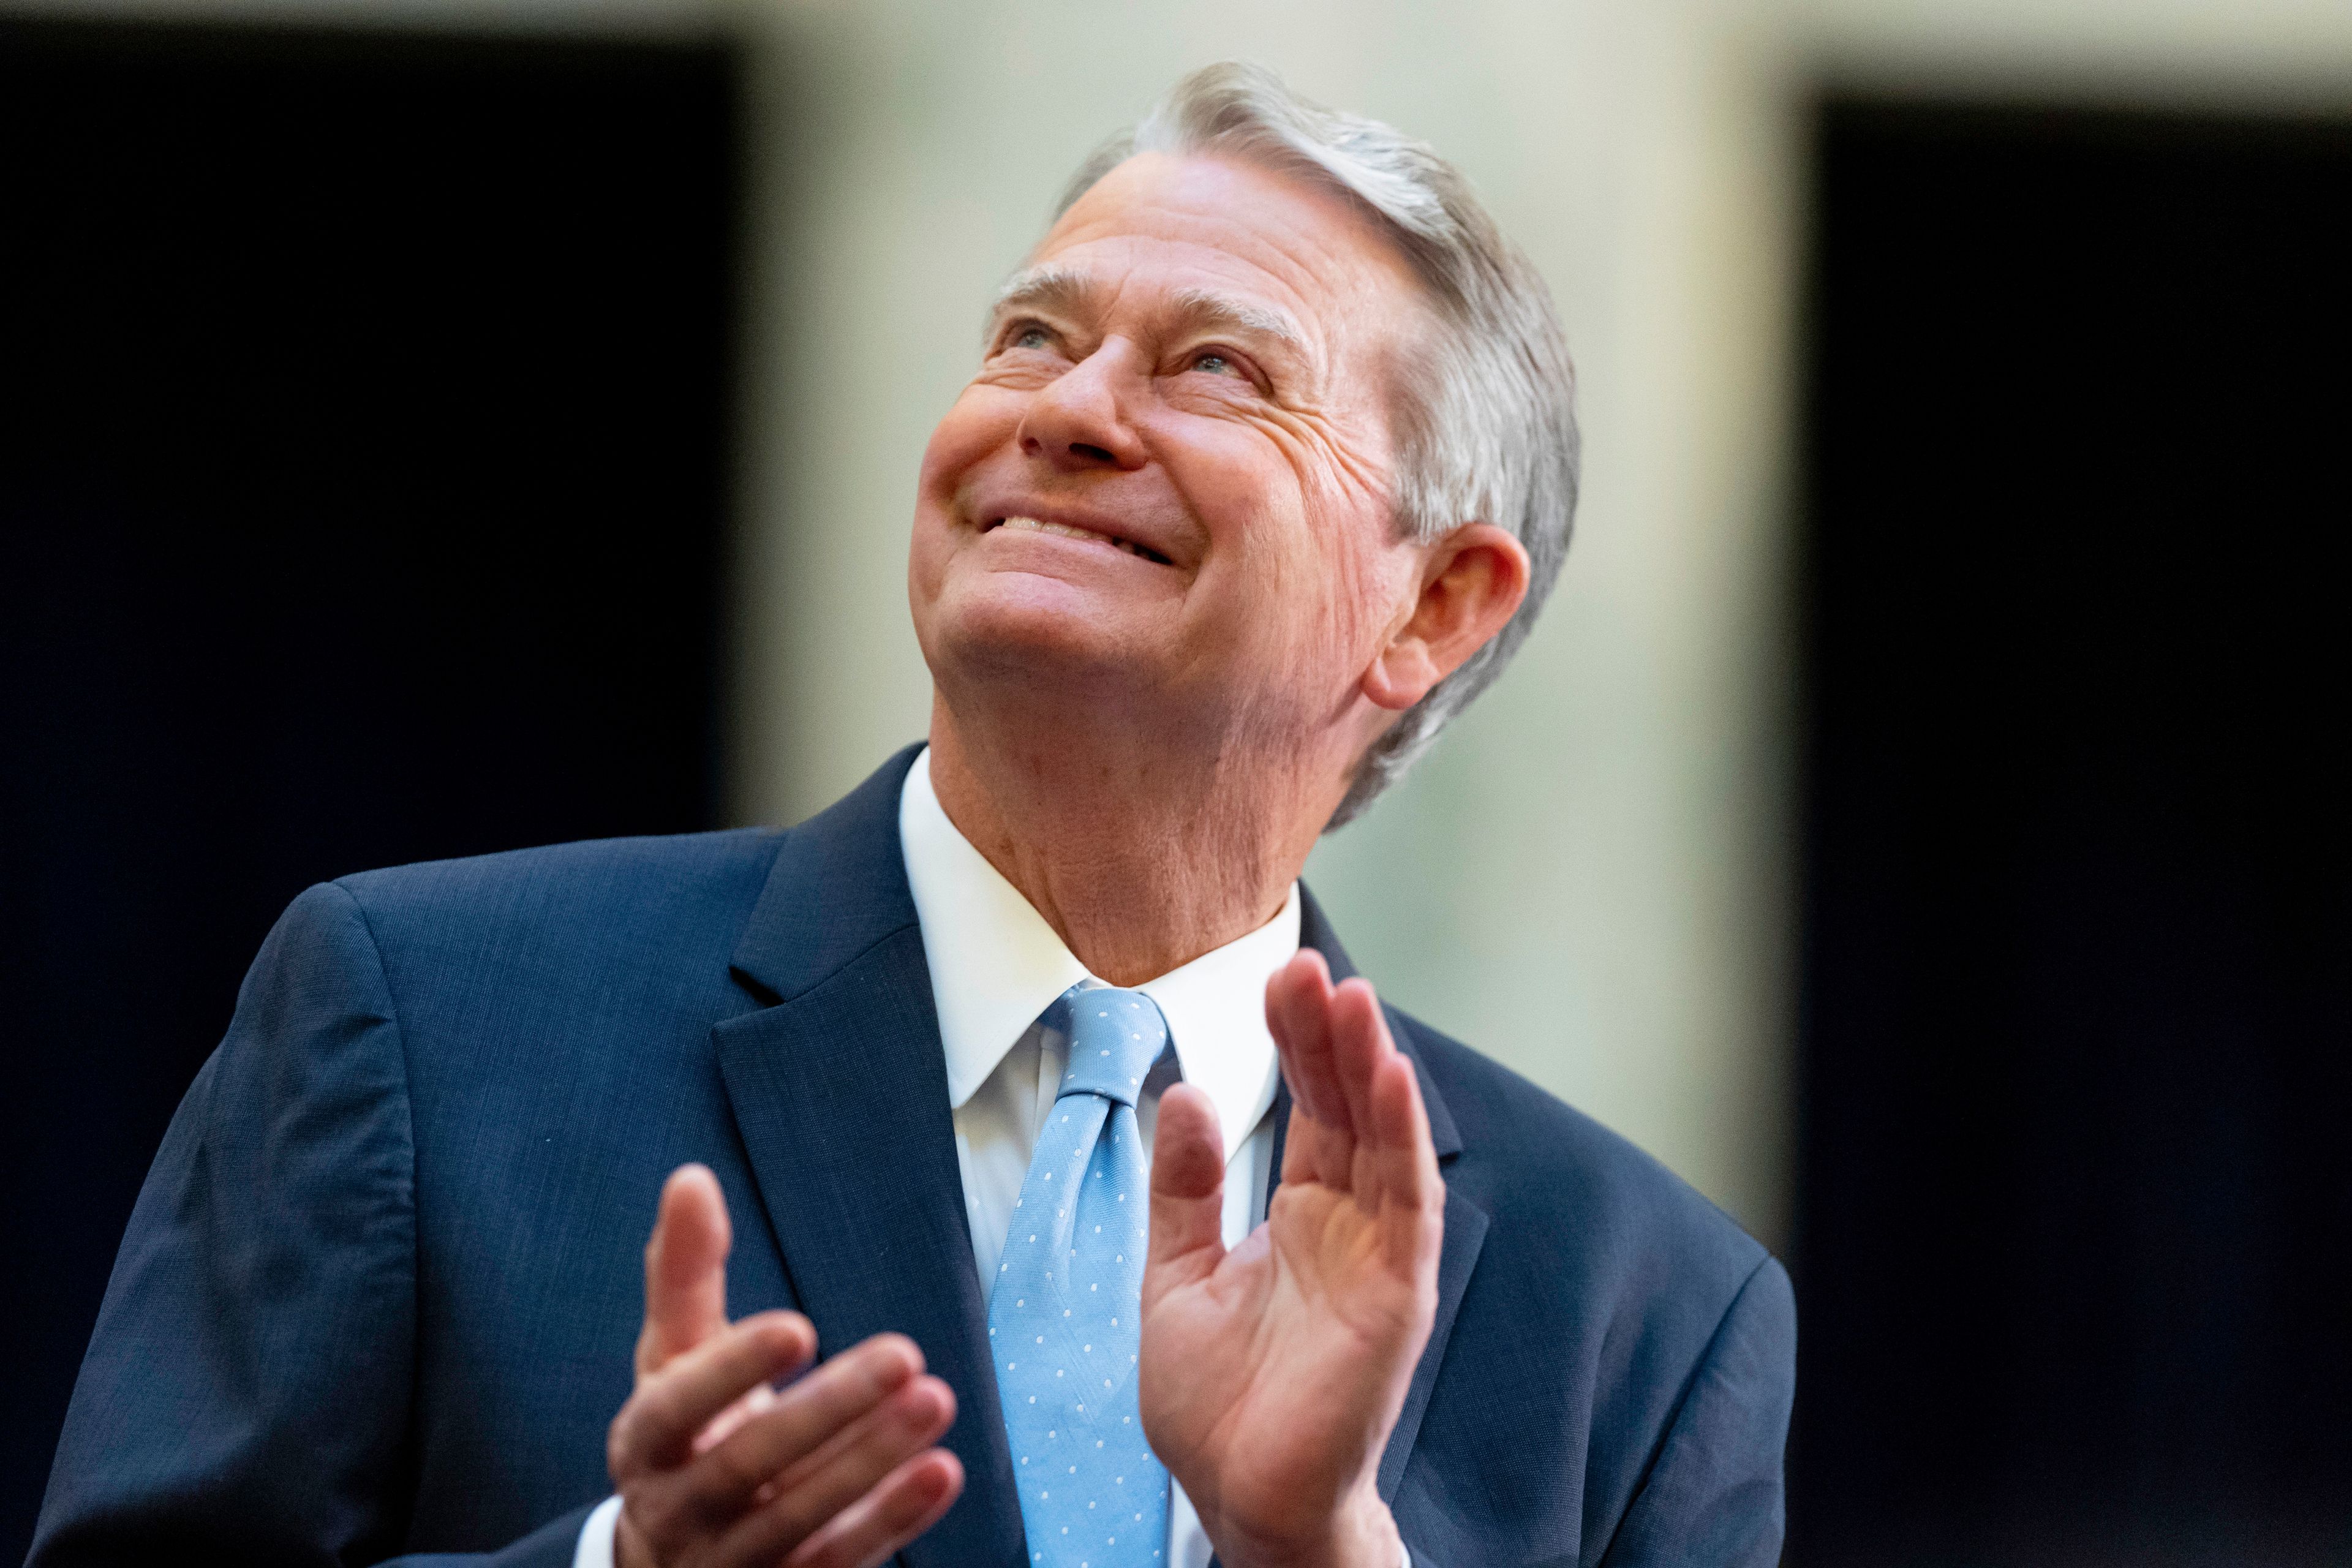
1140 859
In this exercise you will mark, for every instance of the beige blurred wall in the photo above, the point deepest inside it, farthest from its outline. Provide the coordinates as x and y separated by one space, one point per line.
1591 877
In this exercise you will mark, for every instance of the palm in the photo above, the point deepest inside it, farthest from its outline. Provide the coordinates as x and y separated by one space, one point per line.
1272 1374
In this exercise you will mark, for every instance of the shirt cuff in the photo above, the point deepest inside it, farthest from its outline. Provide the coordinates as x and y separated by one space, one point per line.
595 1548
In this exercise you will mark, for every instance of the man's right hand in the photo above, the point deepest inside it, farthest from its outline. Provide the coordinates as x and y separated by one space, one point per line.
716 1469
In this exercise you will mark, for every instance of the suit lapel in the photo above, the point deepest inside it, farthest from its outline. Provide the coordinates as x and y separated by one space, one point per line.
1465 1232
840 1091
1465 1222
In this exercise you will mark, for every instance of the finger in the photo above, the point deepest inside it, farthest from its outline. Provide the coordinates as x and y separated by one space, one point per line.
800 1422
1297 1015
655 1429
807 1497
1316 1146
686 1267
1304 1003
1314 1151
720 1427
1404 1160
871 1531
1360 1042
1188 1186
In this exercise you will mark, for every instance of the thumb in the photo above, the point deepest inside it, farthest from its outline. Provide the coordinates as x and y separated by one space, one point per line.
1188 1190
686 1267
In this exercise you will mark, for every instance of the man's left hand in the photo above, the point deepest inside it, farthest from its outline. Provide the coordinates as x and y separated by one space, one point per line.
1272 1374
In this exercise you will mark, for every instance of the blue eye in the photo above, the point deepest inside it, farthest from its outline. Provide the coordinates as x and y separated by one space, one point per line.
1031 338
1214 362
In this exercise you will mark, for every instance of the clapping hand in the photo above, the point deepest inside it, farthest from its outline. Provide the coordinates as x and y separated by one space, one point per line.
716 1469
1272 1374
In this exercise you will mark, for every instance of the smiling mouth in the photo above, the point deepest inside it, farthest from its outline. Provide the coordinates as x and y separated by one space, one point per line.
1033 525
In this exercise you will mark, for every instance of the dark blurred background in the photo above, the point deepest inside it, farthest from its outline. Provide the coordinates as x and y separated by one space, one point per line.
367 479
2073 1228
364 417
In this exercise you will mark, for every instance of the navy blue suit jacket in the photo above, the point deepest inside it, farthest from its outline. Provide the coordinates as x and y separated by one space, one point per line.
379 1294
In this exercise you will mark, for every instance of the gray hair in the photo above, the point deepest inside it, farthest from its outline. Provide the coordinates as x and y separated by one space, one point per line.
1484 413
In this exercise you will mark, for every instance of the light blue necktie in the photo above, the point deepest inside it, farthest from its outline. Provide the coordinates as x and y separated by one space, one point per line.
1064 1320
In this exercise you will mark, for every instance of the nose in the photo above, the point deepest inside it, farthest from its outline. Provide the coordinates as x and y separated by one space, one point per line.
1078 420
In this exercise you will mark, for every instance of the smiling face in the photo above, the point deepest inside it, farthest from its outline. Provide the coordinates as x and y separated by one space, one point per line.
1168 485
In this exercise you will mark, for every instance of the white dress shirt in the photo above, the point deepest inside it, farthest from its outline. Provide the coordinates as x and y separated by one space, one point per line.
995 967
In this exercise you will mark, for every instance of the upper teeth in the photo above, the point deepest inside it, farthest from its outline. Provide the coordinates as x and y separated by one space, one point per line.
1067 531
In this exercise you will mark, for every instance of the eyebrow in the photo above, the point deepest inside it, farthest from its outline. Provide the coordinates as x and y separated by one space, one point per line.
1047 287
1069 290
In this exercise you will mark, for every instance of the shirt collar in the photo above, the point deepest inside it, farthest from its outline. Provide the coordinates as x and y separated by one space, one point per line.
996 965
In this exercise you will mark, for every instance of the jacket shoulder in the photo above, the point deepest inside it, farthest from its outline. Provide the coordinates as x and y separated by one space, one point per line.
577 918
576 879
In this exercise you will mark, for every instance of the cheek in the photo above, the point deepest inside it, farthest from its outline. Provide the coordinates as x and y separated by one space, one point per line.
1321 604
1261 566
1351 580
982 421
1359 587
1307 556
1371 573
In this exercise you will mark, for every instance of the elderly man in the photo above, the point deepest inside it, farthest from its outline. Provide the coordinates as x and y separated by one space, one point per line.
1041 1186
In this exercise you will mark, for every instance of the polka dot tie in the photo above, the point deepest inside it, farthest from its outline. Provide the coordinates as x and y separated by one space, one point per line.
1063 1320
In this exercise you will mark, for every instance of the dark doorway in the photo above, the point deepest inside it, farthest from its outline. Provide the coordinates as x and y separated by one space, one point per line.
363 464
2074 1237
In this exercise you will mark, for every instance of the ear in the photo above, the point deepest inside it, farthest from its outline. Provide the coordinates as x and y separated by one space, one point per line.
1471 584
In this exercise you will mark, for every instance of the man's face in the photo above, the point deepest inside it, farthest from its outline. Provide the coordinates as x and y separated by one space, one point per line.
1169 483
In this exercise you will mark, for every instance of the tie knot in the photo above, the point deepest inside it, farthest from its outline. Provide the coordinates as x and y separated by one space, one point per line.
1115 1037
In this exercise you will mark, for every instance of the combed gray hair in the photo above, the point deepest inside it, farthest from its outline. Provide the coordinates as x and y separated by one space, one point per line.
1484 412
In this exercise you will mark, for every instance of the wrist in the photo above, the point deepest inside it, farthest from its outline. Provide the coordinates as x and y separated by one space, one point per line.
1359 1533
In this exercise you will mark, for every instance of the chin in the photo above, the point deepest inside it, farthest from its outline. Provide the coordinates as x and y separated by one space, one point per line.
1028 627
